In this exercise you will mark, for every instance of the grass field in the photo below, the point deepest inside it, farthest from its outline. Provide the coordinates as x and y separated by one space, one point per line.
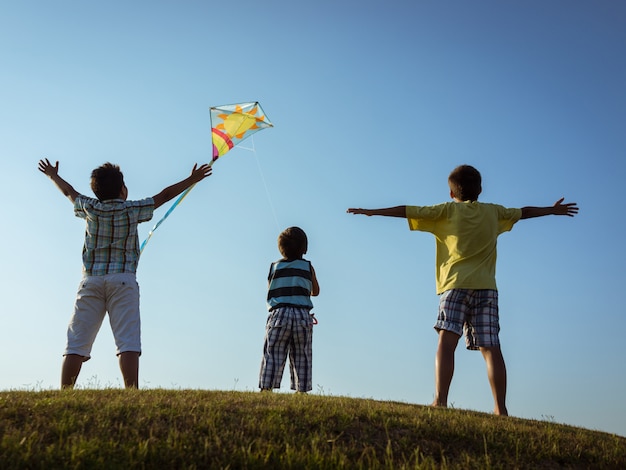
194 429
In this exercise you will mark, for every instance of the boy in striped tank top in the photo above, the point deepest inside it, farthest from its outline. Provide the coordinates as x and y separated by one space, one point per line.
289 326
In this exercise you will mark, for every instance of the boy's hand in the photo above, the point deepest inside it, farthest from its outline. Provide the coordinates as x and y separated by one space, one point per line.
570 209
358 211
198 174
53 173
47 169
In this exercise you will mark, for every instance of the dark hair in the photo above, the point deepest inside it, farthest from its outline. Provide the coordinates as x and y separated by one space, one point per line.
292 243
107 182
465 182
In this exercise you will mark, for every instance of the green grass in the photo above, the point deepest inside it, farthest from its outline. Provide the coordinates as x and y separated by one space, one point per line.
189 429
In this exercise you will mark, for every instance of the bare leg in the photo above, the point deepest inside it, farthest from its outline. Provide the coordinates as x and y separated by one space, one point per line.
496 372
70 370
129 365
444 366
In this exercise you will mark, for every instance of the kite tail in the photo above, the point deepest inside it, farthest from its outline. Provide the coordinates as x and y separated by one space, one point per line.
169 211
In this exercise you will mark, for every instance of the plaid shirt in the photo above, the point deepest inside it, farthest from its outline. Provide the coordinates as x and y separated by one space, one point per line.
111 239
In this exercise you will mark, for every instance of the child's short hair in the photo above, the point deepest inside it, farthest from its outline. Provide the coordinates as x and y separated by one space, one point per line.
465 182
107 181
292 243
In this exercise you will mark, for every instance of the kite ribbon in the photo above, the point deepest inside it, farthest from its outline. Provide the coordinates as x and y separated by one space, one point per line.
167 214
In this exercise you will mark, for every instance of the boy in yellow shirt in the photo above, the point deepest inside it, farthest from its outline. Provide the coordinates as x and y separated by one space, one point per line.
466 233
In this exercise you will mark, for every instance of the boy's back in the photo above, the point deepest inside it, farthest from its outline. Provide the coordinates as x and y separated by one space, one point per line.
111 241
466 235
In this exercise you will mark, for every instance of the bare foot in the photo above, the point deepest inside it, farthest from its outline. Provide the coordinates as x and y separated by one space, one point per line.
500 411
439 405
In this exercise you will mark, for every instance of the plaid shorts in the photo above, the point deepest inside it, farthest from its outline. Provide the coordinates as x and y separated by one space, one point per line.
288 332
473 312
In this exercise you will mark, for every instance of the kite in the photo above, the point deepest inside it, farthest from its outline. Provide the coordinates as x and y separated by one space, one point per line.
235 122
230 125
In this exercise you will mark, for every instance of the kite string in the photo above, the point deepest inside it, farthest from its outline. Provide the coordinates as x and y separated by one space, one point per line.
267 192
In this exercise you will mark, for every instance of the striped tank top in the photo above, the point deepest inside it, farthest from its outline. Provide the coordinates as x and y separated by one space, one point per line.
290 284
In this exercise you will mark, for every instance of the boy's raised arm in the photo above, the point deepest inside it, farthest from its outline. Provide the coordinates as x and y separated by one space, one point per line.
398 211
197 174
569 209
52 172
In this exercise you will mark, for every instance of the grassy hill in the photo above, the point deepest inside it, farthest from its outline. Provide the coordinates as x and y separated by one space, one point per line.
189 429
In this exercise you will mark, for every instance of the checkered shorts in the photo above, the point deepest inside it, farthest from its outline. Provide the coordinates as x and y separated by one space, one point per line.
473 312
288 332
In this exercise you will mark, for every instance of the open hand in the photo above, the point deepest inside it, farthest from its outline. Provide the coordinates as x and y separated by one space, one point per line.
199 173
569 209
47 169
358 211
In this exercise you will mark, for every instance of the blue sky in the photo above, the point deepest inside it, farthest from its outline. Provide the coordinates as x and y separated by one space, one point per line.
373 103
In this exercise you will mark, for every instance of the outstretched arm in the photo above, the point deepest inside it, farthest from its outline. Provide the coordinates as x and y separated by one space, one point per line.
569 209
52 172
398 211
197 175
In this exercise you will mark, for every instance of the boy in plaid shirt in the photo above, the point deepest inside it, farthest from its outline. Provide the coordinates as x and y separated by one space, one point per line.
466 232
110 257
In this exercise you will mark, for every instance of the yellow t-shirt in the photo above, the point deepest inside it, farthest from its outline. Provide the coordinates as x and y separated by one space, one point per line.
466 234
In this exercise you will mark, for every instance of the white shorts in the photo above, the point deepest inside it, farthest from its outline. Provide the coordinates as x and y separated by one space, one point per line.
117 294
